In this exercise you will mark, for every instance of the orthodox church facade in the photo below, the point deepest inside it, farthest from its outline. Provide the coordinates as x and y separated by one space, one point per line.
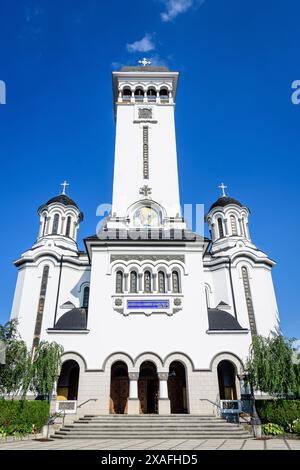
153 318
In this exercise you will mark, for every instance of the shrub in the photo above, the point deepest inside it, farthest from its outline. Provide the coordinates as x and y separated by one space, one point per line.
296 426
18 417
281 412
272 429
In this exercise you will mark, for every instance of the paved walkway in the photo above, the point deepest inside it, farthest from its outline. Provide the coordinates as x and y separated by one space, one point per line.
154 444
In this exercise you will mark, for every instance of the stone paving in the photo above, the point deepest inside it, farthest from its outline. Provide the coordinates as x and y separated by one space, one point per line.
153 444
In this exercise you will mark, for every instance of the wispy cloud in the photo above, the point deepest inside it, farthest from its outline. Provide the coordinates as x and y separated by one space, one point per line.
176 7
145 44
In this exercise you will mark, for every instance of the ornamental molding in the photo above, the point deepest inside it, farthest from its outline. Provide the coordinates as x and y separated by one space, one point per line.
133 375
145 257
163 375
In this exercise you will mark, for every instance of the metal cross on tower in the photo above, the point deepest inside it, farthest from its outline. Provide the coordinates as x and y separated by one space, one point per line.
223 187
64 185
145 190
145 62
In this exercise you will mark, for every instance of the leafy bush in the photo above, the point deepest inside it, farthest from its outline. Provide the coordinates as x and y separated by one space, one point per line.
272 429
20 417
281 412
296 426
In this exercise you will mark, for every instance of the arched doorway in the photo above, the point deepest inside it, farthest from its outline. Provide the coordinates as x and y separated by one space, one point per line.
226 377
148 388
67 385
119 388
177 387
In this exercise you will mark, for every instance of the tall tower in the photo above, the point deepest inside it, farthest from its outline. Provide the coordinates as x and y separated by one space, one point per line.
145 188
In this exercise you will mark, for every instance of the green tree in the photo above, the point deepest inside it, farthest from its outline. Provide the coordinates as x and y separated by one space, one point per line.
270 366
46 367
15 374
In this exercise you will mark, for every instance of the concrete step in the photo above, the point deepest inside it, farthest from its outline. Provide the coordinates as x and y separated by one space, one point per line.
149 436
151 427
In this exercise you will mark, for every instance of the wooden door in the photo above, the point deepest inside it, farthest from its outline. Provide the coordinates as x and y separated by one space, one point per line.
119 395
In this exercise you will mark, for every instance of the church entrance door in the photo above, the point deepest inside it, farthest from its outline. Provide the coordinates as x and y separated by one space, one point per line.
148 388
226 377
119 388
177 388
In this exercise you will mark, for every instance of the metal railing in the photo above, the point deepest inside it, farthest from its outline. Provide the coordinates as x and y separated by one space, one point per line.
86 401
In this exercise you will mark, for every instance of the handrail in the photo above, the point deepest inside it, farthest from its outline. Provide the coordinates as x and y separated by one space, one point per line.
83 403
210 401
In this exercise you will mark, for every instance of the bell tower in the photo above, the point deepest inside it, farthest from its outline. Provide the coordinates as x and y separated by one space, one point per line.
145 171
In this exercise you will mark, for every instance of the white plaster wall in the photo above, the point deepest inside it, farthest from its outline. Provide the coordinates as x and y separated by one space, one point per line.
128 171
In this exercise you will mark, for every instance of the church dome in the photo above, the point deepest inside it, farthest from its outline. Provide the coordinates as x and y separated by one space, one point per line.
225 201
62 199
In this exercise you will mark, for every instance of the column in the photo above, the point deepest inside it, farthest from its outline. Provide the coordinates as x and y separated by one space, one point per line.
163 402
226 227
133 399
168 286
126 286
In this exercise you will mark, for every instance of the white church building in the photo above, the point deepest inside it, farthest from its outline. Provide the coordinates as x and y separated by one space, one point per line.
153 318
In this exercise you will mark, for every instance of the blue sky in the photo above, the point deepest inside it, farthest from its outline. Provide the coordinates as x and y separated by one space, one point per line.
235 119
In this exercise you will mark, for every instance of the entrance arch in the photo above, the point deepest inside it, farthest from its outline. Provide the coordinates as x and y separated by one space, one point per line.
67 385
119 388
226 378
148 388
177 387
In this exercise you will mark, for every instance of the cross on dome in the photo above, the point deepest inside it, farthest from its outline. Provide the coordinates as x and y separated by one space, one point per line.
223 187
144 62
64 185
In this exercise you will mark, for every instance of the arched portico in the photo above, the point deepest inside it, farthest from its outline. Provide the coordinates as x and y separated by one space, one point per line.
119 388
67 385
148 388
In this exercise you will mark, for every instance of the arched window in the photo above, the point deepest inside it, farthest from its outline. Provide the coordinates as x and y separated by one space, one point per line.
119 282
55 224
233 225
86 296
220 227
68 227
133 282
126 94
249 302
151 94
161 282
164 94
175 282
147 282
139 94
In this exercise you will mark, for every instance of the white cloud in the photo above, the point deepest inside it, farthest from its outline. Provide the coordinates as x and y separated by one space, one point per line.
176 7
146 44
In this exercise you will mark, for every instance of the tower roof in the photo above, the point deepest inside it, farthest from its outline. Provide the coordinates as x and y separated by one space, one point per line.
62 199
225 201
144 69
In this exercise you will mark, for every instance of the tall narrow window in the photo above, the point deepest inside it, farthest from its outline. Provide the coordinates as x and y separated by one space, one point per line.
119 282
175 282
207 296
220 227
145 152
86 297
249 301
68 227
133 282
161 282
233 225
40 309
55 224
147 281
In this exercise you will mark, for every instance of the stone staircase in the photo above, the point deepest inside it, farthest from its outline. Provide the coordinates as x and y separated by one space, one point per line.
151 426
